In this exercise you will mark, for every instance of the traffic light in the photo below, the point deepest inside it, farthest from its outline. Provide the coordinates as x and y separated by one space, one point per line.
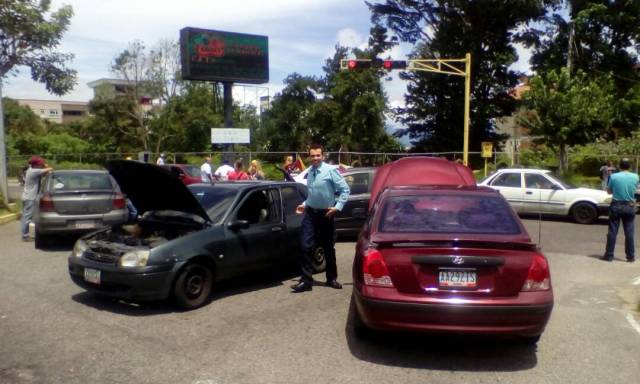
352 64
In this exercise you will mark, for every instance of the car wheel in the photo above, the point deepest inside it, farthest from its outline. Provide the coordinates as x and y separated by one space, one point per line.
40 240
193 286
584 213
318 260
529 340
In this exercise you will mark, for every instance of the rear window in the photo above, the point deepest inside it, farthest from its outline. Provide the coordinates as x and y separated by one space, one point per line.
192 170
80 181
446 213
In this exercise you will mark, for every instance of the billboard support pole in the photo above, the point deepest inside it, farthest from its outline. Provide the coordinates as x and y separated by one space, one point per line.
228 107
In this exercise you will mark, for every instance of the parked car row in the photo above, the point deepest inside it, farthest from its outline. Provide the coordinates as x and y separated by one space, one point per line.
436 253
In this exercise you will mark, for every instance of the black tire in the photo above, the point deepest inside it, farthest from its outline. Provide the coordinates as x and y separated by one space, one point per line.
529 340
584 213
192 288
318 260
40 240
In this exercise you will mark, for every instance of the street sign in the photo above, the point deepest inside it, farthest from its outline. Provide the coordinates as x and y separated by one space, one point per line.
230 136
487 149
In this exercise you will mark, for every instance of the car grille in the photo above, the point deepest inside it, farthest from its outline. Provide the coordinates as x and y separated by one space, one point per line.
101 257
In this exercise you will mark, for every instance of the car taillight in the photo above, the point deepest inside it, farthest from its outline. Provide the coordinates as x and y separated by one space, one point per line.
375 270
538 278
46 204
119 202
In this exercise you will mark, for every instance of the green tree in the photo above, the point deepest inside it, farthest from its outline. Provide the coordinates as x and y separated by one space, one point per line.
434 109
604 40
564 110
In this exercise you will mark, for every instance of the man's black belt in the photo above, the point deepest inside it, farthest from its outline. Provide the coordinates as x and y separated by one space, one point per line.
316 211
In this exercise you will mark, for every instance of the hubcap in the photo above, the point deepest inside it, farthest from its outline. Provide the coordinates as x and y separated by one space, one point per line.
193 285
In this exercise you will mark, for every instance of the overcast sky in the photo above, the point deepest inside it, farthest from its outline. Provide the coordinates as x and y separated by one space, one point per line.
302 34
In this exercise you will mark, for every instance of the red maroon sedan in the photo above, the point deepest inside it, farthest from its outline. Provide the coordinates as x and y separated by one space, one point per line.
189 174
449 259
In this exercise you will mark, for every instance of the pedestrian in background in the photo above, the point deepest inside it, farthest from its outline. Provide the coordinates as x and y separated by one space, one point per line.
37 168
324 183
255 170
205 171
238 172
605 172
222 173
162 159
622 185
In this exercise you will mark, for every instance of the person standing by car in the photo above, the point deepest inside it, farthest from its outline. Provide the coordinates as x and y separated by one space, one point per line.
162 159
222 173
255 170
318 228
238 173
205 170
622 185
605 172
37 168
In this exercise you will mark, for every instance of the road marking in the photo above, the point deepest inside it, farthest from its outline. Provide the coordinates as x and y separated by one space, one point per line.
636 281
633 322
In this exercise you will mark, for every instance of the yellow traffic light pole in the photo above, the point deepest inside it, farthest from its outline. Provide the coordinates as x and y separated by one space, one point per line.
450 67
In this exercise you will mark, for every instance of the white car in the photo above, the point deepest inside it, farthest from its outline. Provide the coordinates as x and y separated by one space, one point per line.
539 191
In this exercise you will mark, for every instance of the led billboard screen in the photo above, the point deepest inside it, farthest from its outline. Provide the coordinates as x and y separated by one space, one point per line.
224 56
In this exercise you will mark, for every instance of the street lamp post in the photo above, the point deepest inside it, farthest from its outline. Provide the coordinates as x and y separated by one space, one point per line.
3 156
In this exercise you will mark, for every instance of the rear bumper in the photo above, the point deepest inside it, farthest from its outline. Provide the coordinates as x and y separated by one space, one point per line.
55 223
153 283
461 318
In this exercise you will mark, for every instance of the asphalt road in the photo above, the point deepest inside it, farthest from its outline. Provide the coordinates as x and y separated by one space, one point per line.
256 331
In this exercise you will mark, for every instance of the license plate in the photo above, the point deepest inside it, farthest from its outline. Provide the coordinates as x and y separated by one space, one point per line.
457 278
85 224
92 275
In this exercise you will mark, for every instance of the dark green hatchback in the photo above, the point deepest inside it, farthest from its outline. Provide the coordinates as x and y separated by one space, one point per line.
187 238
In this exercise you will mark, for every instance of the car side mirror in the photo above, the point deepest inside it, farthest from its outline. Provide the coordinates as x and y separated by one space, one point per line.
359 213
238 224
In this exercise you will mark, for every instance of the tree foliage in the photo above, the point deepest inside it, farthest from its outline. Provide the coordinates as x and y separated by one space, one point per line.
488 30
29 35
564 110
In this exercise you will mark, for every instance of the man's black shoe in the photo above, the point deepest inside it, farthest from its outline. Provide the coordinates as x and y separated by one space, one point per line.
302 286
630 260
606 258
333 284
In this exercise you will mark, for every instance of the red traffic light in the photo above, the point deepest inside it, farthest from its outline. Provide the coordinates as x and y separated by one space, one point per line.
352 64
394 64
375 63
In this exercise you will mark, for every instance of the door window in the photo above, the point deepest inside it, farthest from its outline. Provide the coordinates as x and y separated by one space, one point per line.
507 179
537 181
359 183
258 208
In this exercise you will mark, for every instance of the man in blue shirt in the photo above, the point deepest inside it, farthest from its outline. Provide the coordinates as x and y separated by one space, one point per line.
324 183
623 207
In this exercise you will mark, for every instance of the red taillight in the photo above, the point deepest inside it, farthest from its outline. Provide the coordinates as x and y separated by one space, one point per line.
375 270
46 204
119 202
538 278
352 64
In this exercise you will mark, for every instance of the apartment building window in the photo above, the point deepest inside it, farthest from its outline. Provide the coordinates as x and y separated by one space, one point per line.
53 112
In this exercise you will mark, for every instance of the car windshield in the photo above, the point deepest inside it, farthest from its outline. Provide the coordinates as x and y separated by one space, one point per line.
448 213
64 182
216 201
563 183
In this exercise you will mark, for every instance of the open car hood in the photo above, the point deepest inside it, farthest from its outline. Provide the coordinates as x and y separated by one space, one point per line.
152 188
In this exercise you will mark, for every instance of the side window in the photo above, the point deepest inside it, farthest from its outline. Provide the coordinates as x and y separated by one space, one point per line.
258 207
359 183
537 181
507 179
291 198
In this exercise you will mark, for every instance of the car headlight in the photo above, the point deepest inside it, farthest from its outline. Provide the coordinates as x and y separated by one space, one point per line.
79 248
608 199
135 258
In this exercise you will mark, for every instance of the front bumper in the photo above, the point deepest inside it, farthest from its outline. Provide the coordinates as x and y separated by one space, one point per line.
148 283
603 209
459 318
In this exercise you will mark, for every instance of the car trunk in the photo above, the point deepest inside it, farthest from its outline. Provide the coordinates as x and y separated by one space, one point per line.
471 269
83 202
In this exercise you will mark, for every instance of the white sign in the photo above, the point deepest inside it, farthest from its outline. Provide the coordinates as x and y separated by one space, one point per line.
230 136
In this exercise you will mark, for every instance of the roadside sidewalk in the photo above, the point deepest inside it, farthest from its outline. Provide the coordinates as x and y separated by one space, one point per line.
14 214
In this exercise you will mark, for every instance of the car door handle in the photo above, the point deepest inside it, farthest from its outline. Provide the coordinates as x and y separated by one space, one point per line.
276 229
529 193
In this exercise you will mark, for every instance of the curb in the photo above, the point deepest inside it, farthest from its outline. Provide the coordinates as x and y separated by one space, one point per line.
7 218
